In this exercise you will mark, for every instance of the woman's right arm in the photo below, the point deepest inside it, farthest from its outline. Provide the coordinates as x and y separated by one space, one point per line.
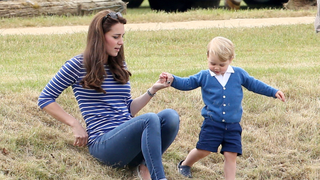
80 134
65 77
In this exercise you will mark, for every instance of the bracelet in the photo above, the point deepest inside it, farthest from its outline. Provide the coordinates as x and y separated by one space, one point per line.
149 93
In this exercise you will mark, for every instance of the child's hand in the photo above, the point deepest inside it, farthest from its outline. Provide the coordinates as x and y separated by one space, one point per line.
168 76
280 95
164 81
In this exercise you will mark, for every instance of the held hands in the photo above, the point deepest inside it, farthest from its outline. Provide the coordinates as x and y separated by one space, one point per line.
164 81
280 95
166 78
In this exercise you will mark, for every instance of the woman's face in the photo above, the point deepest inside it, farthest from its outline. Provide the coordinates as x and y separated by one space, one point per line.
114 39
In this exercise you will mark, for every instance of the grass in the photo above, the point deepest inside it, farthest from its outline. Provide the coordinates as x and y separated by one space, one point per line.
280 140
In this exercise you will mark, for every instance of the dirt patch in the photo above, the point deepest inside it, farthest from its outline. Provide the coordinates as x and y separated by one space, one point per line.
232 23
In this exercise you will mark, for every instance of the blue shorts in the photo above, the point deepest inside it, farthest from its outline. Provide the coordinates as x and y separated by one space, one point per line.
213 134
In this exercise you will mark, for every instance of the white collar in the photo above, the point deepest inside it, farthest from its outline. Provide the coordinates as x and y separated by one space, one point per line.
229 70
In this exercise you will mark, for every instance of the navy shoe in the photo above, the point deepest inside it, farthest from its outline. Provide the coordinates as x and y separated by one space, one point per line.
184 170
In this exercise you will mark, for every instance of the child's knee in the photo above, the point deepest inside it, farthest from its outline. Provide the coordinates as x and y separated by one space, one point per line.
230 156
203 153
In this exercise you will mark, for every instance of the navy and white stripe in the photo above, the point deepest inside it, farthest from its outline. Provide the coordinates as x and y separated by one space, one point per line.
101 112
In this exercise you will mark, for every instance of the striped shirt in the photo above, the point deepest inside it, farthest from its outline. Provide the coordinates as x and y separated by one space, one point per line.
101 112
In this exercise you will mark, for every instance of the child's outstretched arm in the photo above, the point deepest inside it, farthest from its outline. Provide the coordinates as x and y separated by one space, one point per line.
280 95
183 83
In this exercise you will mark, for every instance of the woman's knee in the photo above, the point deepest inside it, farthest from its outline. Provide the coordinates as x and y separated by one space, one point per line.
170 119
172 116
152 118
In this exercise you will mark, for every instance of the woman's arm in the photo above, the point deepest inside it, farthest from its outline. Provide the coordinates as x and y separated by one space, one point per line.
80 134
139 102
65 77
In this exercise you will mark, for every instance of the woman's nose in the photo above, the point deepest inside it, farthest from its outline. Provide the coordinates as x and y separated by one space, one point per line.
120 41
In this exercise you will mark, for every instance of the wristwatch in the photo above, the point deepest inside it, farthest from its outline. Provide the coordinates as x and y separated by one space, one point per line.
150 94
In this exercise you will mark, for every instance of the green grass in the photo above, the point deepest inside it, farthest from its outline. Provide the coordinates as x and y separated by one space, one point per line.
280 140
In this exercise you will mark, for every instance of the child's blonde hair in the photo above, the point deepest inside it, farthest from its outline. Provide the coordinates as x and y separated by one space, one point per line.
222 47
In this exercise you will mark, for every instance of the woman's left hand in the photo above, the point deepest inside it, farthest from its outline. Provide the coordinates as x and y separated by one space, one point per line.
164 81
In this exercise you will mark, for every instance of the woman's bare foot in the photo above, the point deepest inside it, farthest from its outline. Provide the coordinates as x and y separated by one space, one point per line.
143 172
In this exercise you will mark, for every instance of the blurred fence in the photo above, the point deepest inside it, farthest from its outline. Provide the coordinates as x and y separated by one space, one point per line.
18 8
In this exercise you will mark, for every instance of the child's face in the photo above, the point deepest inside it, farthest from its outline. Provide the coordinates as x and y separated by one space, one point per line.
217 66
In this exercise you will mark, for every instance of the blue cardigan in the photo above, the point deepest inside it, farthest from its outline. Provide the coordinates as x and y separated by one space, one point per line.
223 104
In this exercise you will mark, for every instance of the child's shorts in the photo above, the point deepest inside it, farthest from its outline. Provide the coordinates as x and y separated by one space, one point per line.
213 134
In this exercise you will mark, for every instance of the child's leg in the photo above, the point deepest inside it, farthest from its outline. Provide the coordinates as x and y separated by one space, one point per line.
194 156
230 165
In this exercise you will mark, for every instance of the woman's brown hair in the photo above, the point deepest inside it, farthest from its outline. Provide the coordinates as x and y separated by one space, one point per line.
95 56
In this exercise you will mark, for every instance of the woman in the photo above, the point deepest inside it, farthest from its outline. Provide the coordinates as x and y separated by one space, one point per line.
100 82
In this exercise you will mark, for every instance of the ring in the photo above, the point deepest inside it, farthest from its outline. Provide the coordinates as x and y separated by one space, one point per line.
168 82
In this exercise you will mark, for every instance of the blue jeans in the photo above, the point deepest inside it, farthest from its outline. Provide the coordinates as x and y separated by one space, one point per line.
142 139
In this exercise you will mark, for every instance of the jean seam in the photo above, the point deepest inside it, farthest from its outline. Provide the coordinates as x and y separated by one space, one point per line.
151 160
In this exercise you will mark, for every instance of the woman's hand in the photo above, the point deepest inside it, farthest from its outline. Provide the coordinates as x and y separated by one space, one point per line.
169 78
80 134
164 81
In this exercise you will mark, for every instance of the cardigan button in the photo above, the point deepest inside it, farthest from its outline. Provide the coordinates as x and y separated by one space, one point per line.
223 120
